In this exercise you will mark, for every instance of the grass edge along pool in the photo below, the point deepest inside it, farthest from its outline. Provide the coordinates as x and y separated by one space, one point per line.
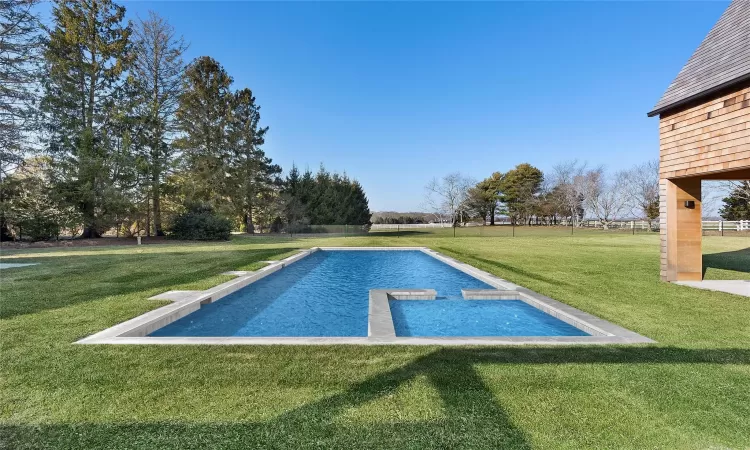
136 331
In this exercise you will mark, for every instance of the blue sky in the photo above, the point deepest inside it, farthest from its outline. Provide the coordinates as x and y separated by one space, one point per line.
396 93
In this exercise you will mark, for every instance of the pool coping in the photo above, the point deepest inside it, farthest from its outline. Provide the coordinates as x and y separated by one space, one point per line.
380 323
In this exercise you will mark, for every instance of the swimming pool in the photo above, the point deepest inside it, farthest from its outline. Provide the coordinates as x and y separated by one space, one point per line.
326 294
364 296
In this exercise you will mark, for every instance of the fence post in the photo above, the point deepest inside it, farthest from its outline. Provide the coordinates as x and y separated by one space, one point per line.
398 230
721 227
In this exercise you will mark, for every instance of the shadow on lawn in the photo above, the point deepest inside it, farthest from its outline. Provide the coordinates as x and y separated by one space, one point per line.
470 416
738 261
66 281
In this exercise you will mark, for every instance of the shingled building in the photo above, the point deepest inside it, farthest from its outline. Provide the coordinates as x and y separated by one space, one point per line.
704 134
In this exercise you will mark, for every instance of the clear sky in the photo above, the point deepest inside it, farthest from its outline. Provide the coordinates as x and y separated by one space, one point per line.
396 93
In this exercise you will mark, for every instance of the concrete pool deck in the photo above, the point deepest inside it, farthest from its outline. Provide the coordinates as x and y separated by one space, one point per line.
380 321
736 287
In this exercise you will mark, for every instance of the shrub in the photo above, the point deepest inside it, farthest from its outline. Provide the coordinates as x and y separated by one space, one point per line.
200 223
40 227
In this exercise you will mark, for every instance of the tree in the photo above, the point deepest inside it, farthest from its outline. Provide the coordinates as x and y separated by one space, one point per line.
605 199
519 188
641 185
447 195
356 209
294 209
323 199
568 188
737 204
20 41
34 206
482 199
157 78
477 203
203 117
252 174
86 56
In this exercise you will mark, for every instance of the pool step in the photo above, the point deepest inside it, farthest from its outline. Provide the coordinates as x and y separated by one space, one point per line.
412 294
490 294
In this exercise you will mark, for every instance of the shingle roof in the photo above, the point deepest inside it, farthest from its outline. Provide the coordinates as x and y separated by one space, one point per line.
723 58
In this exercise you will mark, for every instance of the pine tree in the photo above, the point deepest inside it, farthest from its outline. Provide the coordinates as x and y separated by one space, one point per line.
358 206
86 57
203 118
20 40
157 81
293 208
737 204
519 188
324 199
252 174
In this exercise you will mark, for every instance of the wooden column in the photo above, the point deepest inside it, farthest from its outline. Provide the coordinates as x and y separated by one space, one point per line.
683 244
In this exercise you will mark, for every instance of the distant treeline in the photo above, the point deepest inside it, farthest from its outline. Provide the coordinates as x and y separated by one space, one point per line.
392 217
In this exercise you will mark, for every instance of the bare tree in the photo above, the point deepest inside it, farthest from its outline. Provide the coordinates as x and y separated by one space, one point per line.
447 195
641 185
567 186
604 198
742 189
712 195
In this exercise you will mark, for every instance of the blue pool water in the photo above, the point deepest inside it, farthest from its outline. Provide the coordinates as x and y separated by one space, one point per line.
327 294
475 318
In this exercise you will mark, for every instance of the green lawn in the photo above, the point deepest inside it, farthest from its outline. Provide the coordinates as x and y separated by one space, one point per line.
692 390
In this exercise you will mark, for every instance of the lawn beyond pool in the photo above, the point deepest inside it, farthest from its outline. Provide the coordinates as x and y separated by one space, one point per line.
691 390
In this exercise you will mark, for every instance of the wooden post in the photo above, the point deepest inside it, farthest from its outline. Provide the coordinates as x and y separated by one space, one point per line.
683 246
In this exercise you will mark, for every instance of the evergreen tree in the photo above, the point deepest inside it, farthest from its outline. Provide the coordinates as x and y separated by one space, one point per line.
203 117
358 209
252 174
307 191
519 188
157 82
293 208
737 205
20 40
482 199
324 199
86 56
34 208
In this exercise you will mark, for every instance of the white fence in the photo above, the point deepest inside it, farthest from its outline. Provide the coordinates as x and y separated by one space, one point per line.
726 225
708 225
406 226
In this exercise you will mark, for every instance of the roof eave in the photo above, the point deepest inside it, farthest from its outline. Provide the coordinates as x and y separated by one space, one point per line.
699 95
